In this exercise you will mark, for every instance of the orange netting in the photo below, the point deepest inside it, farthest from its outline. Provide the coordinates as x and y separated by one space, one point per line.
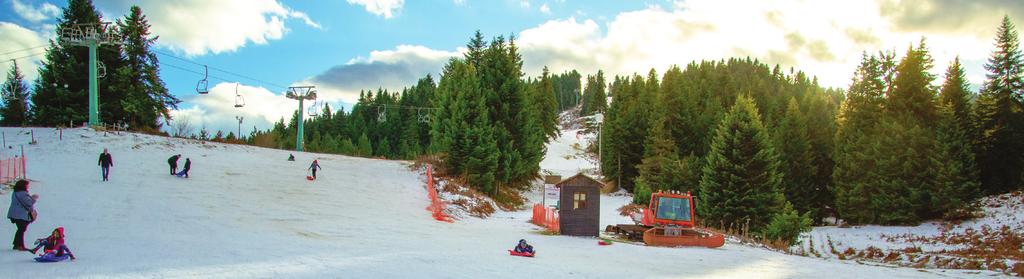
436 205
12 169
545 217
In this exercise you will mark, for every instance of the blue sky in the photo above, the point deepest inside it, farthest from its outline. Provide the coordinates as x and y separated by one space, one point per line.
345 46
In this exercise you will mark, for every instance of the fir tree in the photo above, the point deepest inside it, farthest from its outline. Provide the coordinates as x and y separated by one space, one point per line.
146 98
14 111
1000 116
795 157
741 181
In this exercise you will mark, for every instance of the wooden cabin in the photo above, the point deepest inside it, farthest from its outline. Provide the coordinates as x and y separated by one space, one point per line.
580 205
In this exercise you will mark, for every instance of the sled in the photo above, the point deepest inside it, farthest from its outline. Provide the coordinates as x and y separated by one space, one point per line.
514 253
604 242
180 174
51 258
310 178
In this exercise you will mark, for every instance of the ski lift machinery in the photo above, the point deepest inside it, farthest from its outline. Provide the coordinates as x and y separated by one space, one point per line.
239 100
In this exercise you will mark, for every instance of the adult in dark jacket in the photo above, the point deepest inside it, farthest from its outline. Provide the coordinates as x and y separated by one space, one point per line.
21 212
105 163
188 166
314 166
173 162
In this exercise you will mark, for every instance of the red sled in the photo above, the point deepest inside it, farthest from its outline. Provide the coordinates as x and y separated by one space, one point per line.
604 242
523 254
309 177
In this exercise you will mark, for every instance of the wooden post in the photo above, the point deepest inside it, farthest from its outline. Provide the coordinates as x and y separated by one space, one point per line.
5 139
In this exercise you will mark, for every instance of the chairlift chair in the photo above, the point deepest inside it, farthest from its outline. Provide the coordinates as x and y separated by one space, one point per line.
422 117
202 87
314 109
101 70
382 113
239 101
72 34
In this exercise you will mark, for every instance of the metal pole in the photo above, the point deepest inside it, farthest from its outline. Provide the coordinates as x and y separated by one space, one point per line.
298 138
94 118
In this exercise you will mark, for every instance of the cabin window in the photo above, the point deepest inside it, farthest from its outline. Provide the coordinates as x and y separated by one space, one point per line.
579 200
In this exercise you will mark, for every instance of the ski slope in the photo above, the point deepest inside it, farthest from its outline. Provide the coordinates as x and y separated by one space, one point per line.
247 212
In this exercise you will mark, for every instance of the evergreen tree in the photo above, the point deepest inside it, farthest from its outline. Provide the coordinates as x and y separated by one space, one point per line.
1000 117
741 181
912 96
795 156
363 148
594 98
14 111
146 98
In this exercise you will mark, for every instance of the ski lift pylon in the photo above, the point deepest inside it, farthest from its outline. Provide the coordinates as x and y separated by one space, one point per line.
202 87
239 101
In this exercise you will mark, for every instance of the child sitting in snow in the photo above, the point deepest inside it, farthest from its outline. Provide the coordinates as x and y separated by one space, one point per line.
523 247
53 244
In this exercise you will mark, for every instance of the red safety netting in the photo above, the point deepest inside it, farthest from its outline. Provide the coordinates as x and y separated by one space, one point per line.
12 169
436 205
545 217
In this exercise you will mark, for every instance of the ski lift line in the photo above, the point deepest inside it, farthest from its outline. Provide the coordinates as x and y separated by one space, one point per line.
196 72
23 57
405 107
220 70
23 50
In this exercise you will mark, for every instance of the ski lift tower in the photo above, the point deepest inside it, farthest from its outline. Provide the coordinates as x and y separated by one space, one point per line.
300 93
92 35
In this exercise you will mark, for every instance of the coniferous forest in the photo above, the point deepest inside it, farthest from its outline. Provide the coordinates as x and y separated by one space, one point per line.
757 144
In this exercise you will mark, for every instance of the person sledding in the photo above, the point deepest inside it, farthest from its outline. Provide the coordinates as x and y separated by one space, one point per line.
186 168
54 248
522 249
314 166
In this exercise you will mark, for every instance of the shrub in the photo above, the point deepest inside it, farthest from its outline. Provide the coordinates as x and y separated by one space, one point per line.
787 225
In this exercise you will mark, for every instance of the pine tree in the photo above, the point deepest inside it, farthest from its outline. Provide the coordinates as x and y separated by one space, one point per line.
363 148
1000 116
793 146
958 180
594 98
912 96
146 97
14 111
545 106
741 181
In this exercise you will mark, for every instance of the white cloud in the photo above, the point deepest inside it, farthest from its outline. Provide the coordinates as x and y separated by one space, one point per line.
24 45
385 8
198 27
388 69
824 39
525 4
460 2
545 9
44 12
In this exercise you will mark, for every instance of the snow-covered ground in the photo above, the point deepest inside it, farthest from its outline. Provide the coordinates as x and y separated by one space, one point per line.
248 213
937 239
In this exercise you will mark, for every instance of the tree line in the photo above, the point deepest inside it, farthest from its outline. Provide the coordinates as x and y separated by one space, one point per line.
761 147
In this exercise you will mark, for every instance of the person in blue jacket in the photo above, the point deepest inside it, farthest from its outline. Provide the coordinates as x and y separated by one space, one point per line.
522 247
21 212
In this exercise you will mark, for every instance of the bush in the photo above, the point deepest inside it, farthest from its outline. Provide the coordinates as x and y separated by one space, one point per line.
642 194
787 225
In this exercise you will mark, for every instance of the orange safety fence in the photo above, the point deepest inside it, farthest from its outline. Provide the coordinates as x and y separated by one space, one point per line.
545 217
12 169
436 204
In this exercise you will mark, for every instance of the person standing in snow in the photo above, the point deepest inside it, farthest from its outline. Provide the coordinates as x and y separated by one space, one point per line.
173 162
314 167
188 166
21 212
105 163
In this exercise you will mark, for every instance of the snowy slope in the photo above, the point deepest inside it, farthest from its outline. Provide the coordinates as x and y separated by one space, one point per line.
248 213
